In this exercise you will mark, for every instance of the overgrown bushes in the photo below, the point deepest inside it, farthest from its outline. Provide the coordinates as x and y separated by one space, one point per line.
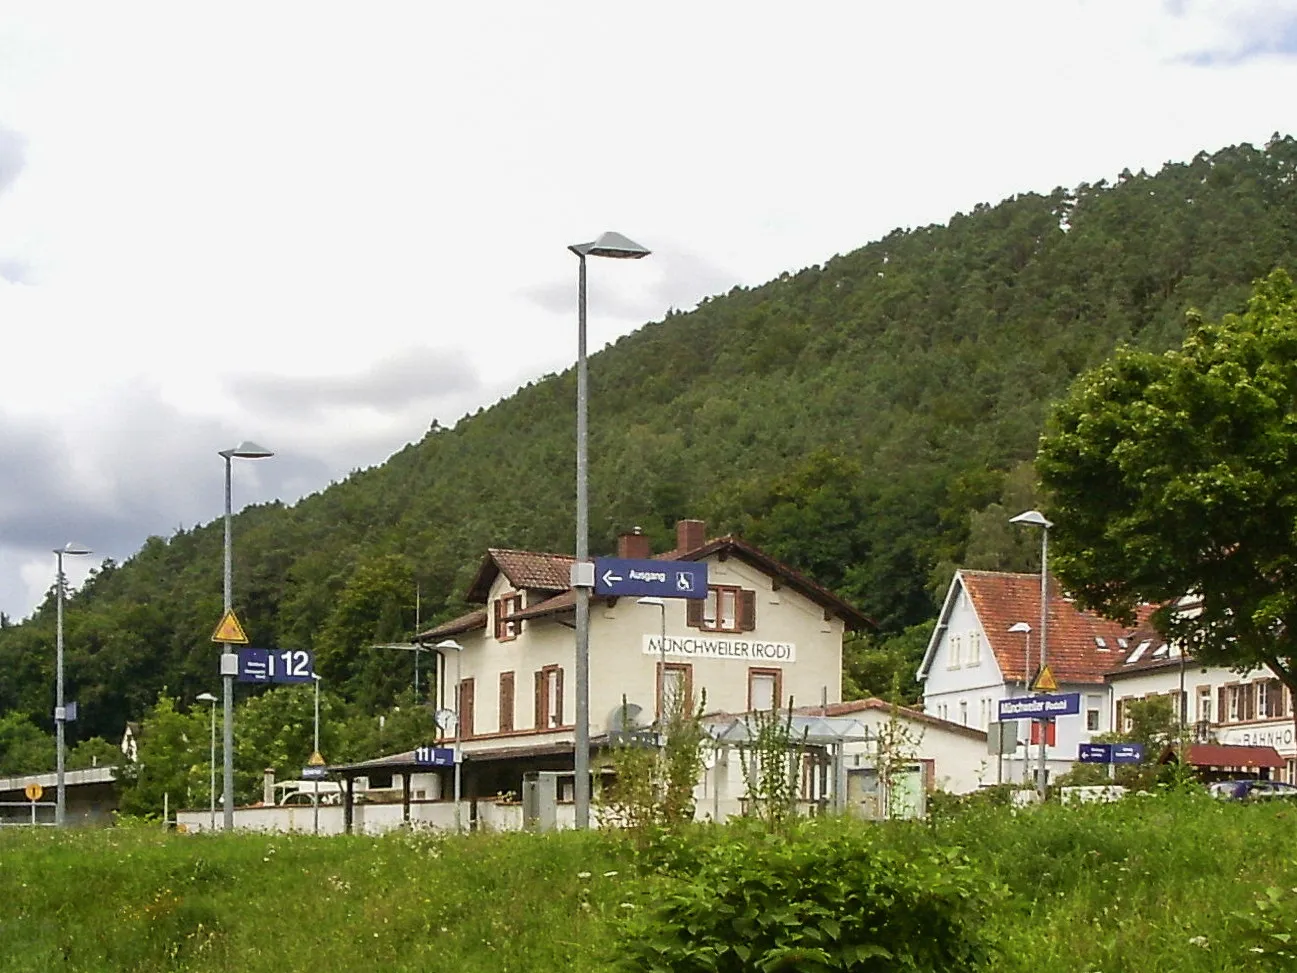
821 894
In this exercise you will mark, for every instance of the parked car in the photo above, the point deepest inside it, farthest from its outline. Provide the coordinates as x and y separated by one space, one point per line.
1252 790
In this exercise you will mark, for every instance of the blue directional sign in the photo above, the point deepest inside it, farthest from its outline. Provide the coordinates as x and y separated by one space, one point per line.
276 665
622 577
434 756
1040 707
1095 753
1127 753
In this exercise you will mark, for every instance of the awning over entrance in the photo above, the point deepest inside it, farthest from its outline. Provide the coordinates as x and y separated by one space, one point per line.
816 730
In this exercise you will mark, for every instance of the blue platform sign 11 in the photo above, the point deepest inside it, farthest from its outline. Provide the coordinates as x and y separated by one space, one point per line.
276 665
1040 707
1127 753
1094 753
434 756
616 577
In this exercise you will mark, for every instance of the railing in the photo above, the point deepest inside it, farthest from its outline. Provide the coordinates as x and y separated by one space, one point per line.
10 820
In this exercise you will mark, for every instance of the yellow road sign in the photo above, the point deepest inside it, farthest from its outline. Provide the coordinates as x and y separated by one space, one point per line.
33 792
316 760
229 630
1045 681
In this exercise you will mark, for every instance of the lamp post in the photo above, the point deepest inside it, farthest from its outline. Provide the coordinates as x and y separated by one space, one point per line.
616 246
452 645
315 749
60 707
1036 519
209 698
662 656
245 450
1025 629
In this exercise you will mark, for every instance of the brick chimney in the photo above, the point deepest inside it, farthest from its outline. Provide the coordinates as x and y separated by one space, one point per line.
633 543
690 535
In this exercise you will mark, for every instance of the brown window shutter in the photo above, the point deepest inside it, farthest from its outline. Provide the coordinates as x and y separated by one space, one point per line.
558 716
506 702
694 613
539 721
747 609
1222 706
499 617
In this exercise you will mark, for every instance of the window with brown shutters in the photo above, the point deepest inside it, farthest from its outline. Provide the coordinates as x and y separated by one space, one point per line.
675 681
506 628
1222 706
1274 699
549 698
1248 709
506 702
726 608
765 689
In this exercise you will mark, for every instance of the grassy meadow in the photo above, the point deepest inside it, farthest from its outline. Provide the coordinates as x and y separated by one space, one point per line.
1152 884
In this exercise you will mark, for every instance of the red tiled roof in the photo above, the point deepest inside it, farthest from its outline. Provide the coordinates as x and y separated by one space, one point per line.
550 606
1002 599
1221 755
524 569
456 626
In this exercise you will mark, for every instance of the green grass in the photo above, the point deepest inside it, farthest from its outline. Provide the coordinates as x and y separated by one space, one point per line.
1153 885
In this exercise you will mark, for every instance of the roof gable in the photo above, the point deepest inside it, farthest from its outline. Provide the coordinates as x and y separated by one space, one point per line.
1082 646
525 570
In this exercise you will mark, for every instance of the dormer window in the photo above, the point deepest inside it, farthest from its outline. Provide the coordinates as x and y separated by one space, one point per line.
506 628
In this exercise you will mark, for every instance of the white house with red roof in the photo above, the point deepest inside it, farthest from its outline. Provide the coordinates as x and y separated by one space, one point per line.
985 648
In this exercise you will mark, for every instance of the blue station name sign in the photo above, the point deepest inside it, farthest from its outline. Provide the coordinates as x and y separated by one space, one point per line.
1040 707
276 665
434 756
617 577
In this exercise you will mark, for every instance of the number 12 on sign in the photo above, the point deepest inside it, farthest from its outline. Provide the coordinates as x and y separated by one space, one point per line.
276 665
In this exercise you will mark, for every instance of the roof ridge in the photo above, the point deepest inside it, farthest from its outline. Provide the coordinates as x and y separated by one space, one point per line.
515 550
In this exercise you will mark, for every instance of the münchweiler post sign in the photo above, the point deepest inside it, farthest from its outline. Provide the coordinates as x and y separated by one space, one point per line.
1040 707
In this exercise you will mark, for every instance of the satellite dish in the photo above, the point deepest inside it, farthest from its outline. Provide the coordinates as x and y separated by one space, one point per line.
445 719
625 717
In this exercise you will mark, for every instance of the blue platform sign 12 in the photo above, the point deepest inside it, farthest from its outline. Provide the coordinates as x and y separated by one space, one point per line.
276 665
636 578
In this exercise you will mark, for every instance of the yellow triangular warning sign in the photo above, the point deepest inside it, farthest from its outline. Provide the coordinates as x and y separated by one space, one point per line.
229 630
1045 681
316 760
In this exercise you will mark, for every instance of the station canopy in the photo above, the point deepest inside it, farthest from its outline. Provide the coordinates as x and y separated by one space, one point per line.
803 728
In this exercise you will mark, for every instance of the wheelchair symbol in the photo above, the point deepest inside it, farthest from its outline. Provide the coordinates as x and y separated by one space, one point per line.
684 582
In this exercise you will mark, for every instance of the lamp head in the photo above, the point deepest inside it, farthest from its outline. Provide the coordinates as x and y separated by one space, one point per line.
206 698
247 450
613 245
450 644
1019 627
651 600
71 548
1033 517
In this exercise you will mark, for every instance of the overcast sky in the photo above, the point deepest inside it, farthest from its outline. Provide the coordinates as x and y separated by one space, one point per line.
321 225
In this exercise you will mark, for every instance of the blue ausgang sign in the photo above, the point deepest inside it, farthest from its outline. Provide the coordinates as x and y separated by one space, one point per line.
434 756
618 577
276 665
1094 753
1040 707
1127 753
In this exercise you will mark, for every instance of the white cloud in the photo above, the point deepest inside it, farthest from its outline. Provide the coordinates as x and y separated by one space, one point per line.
245 221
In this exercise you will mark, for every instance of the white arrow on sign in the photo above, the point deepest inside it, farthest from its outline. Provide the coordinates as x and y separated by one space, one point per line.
609 577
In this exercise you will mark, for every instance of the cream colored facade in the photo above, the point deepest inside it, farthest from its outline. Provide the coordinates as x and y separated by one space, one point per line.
795 644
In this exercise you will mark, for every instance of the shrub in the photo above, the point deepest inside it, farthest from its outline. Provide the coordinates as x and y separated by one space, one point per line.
823 894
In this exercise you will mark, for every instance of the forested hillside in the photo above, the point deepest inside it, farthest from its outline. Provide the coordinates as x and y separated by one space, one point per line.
866 420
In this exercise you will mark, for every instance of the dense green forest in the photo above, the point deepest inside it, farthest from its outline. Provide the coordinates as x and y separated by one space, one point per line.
868 421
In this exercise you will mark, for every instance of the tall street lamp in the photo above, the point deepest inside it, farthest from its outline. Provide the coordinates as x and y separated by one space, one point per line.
616 246
245 450
209 698
453 646
1025 629
60 707
1036 519
315 751
661 605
